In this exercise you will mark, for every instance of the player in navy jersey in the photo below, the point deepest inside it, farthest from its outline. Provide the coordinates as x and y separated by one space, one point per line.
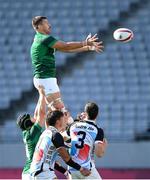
86 137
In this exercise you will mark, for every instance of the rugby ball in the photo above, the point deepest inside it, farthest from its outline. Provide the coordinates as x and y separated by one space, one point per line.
123 35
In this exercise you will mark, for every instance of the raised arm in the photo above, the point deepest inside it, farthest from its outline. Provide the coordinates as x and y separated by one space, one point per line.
40 110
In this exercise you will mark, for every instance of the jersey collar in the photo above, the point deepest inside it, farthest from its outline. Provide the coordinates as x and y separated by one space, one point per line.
52 127
39 33
88 120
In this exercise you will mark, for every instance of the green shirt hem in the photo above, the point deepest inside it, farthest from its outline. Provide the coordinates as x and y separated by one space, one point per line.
44 77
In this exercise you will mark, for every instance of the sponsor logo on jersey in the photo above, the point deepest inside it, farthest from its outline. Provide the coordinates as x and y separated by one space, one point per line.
38 155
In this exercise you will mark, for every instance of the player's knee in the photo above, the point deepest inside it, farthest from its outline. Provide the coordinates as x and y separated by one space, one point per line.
58 104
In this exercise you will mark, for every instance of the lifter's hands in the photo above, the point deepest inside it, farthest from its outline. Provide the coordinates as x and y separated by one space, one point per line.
93 43
41 90
82 116
85 172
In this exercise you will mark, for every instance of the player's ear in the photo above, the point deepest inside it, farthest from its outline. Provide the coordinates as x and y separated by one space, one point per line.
37 27
57 122
40 25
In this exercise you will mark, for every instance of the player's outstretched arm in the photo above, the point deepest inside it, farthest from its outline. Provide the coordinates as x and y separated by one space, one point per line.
68 46
98 48
40 111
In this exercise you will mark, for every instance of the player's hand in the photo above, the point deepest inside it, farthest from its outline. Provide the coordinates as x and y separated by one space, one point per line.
85 172
89 36
95 44
82 116
67 174
41 90
91 40
98 47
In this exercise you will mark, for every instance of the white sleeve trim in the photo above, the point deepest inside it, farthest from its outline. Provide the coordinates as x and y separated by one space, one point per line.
97 142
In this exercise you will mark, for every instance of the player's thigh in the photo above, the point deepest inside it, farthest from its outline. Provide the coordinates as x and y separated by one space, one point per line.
52 92
26 177
53 97
50 85
55 101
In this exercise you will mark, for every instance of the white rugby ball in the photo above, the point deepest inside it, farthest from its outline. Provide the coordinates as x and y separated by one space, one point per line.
123 35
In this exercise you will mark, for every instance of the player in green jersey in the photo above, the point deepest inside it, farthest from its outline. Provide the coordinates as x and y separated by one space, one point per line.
32 129
43 58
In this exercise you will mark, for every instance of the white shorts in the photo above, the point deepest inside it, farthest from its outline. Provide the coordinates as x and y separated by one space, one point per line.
49 175
50 85
26 177
94 175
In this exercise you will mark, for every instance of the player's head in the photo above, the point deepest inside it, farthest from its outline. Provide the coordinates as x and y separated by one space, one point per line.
41 24
92 110
56 119
24 122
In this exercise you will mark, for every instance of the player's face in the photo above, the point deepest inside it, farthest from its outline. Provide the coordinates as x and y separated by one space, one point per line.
45 26
62 123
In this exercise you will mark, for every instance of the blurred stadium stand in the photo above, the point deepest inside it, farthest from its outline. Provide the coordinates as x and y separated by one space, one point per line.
118 79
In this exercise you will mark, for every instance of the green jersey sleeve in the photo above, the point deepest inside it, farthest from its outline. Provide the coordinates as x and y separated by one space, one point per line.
49 41
35 131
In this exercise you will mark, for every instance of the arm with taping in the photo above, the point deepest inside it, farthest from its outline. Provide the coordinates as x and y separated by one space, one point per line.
59 144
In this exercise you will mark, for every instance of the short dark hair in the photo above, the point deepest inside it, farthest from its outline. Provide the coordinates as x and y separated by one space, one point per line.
92 110
24 121
53 116
37 20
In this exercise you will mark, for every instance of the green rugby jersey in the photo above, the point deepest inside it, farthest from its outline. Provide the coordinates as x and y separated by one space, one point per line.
30 138
42 55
